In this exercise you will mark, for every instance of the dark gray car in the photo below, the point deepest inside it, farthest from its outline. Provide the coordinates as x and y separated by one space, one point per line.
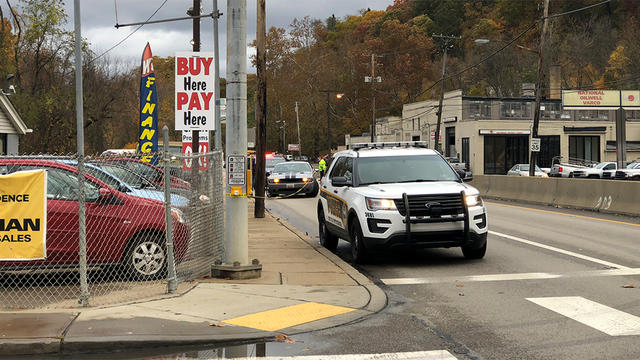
292 177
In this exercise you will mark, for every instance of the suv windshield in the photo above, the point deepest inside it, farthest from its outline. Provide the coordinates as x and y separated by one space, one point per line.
292 167
412 168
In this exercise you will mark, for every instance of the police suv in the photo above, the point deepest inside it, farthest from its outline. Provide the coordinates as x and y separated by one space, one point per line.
385 195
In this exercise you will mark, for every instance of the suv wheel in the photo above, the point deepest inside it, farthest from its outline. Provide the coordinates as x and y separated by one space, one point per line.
327 239
474 253
146 258
358 251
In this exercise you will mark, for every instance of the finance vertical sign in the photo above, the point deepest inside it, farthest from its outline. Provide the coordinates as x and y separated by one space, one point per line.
195 103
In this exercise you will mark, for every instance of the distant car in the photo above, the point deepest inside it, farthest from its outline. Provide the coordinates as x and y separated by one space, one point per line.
289 157
292 177
121 229
596 171
523 170
565 170
631 172
272 161
456 164
301 158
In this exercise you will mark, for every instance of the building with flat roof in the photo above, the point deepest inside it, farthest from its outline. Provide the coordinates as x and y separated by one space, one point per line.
492 134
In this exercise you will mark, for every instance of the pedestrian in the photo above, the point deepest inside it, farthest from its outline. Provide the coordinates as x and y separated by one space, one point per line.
322 167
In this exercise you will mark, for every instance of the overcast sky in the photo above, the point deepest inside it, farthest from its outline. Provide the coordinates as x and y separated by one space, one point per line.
99 18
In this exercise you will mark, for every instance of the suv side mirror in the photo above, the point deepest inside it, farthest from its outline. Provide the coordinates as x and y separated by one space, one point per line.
268 174
339 181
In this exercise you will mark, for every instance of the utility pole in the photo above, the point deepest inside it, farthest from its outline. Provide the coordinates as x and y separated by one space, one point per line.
447 41
261 109
373 79
298 126
216 53
195 135
338 96
536 111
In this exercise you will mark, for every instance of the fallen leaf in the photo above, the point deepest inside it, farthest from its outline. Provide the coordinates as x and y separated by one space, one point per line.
459 285
218 324
284 338
631 286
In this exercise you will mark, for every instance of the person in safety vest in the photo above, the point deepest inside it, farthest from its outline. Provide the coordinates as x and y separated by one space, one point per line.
322 167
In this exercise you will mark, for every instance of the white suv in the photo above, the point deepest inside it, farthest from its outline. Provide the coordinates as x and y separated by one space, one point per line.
387 195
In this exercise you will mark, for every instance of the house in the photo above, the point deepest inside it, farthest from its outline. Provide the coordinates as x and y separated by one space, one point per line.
11 127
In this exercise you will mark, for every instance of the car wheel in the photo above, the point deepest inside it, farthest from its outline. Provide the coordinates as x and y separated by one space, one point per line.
358 250
474 253
316 189
327 239
146 258
570 174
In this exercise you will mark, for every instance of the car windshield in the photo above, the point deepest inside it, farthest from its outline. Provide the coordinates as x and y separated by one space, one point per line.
292 167
600 166
126 176
411 168
105 178
273 161
526 168
633 165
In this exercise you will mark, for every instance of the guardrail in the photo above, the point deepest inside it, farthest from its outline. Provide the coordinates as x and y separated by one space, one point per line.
619 197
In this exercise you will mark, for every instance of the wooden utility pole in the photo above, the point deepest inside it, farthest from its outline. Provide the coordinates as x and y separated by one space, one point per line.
536 111
261 110
446 43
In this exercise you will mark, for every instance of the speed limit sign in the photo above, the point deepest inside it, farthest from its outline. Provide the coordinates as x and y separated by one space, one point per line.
535 144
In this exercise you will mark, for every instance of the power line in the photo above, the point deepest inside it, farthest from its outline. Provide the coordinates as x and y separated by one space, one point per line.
129 35
576 10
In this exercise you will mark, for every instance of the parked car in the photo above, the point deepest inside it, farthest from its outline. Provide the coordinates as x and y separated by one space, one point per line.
456 164
301 158
631 172
122 229
293 177
151 172
272 161
596 171
523 170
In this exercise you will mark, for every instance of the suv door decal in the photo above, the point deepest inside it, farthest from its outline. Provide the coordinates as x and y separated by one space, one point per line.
337 209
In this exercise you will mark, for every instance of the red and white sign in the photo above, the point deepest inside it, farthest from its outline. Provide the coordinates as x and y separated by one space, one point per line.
187 150
195 103
433 136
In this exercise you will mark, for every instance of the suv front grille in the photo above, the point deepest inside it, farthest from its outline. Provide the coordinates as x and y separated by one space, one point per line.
432 205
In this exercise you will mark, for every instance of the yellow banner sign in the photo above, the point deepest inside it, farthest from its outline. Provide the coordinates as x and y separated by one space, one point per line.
23 215
585 99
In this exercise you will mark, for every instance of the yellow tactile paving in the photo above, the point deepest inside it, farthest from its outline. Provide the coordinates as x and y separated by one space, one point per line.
273 320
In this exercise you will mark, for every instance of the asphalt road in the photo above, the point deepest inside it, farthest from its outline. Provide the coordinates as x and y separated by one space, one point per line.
555 284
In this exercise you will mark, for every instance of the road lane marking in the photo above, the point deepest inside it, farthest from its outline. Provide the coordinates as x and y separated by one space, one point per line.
417 355
561 251
288 316
563 213
600 317
510 277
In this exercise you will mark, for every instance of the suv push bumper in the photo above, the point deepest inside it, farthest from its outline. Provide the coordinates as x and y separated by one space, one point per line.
438 239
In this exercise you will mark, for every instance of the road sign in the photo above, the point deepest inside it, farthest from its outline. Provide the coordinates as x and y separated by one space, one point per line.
187 149
535 144
195 105
236 172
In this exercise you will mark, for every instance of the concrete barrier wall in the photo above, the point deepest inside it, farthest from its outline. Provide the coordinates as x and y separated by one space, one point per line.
620 197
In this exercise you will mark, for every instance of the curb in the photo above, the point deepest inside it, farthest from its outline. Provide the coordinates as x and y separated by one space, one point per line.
377 297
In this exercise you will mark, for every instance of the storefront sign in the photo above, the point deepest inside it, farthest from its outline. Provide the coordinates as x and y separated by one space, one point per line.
450 119
195 102
23 216
187 149
589 99
630 99
505 132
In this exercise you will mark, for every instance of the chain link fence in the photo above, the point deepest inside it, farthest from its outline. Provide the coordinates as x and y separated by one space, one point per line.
132 251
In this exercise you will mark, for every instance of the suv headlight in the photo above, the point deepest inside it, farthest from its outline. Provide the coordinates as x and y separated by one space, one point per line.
374 204
178 215
473 200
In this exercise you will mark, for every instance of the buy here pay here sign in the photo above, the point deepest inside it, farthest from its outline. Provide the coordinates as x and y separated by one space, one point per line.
195 101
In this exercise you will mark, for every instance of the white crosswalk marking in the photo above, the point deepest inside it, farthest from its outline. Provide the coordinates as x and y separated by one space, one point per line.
418 355
511 277
600 317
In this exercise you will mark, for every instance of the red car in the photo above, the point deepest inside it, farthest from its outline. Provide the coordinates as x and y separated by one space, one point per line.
121 229
151 172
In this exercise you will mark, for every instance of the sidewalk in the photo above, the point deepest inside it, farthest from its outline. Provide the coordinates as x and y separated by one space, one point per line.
303 288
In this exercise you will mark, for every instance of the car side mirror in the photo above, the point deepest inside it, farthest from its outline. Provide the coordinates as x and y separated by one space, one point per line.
339 181
268 174
106 196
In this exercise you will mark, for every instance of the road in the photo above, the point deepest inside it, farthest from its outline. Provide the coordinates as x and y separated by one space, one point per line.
555 284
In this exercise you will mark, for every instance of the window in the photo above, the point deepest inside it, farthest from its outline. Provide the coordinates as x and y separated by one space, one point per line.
479 109
515 109
549 148
344 168
632 115
63 184
465 152
337 168
410 168
3 144
584 148
553 111
502 152
592 114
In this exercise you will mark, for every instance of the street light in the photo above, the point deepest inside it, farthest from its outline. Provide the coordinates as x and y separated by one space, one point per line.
339 96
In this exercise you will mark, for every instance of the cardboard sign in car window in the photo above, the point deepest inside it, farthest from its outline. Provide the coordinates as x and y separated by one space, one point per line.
23 216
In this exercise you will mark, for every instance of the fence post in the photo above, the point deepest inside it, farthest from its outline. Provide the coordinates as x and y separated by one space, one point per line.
82 235
172 282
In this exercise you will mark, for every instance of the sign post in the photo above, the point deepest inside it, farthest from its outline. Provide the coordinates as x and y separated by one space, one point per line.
535 144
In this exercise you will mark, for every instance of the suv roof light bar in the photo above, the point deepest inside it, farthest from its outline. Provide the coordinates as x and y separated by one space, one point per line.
383 145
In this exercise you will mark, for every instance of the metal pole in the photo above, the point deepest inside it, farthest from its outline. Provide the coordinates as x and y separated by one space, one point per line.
236 230
261 109
172 281
328 128
82 225
373 98
298 126
536 111
438 146
216 54
621 139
